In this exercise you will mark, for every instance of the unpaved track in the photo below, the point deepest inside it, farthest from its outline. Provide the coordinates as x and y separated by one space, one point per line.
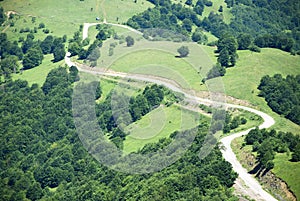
257 192
86 27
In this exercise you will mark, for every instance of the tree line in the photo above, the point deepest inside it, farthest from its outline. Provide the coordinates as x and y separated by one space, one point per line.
261 24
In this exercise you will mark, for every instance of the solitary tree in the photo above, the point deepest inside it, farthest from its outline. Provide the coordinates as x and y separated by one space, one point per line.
129 41
183 51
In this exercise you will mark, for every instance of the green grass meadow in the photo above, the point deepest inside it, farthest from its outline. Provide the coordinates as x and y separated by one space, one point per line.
38 74
120 11
215 7
159 58
157 124
65 17
242 81
288 171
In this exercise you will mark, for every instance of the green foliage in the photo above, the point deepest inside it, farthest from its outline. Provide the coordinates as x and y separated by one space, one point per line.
42 153
9 48
216 71
266 154
244 41
254 48
267 143
227 47
9 65
33 57
253 19
105 32
59 53
46 44
183 51
260 17
296 154
281 95
129 41
199 36
167 15
74 48
2 16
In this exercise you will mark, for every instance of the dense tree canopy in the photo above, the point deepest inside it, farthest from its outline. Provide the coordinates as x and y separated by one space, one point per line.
264 24
282 95
40 151
129 41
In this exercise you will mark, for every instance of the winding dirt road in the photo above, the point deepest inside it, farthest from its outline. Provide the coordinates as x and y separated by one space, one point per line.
257 192
86 27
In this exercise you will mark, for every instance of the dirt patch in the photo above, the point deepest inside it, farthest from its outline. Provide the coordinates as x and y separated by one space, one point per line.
8 13
278 186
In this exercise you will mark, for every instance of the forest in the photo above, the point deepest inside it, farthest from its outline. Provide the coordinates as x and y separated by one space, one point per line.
43 158
282 95
262 23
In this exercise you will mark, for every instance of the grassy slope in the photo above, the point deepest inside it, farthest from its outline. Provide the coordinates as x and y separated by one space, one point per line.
38 74
241 81
158 63
61 18
148 130
64 17
215 7
123 9
158 58
289 171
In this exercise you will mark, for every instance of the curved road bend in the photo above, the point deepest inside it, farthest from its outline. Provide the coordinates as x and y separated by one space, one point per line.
251 182
86 27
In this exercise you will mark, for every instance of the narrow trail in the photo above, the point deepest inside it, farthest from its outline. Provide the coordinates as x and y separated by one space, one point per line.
103 11
86 26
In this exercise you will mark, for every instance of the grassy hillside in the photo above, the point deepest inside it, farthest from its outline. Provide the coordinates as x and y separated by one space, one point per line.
282 165
64 17
38 74
120 11
158 124
283 169
242 80
215 7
